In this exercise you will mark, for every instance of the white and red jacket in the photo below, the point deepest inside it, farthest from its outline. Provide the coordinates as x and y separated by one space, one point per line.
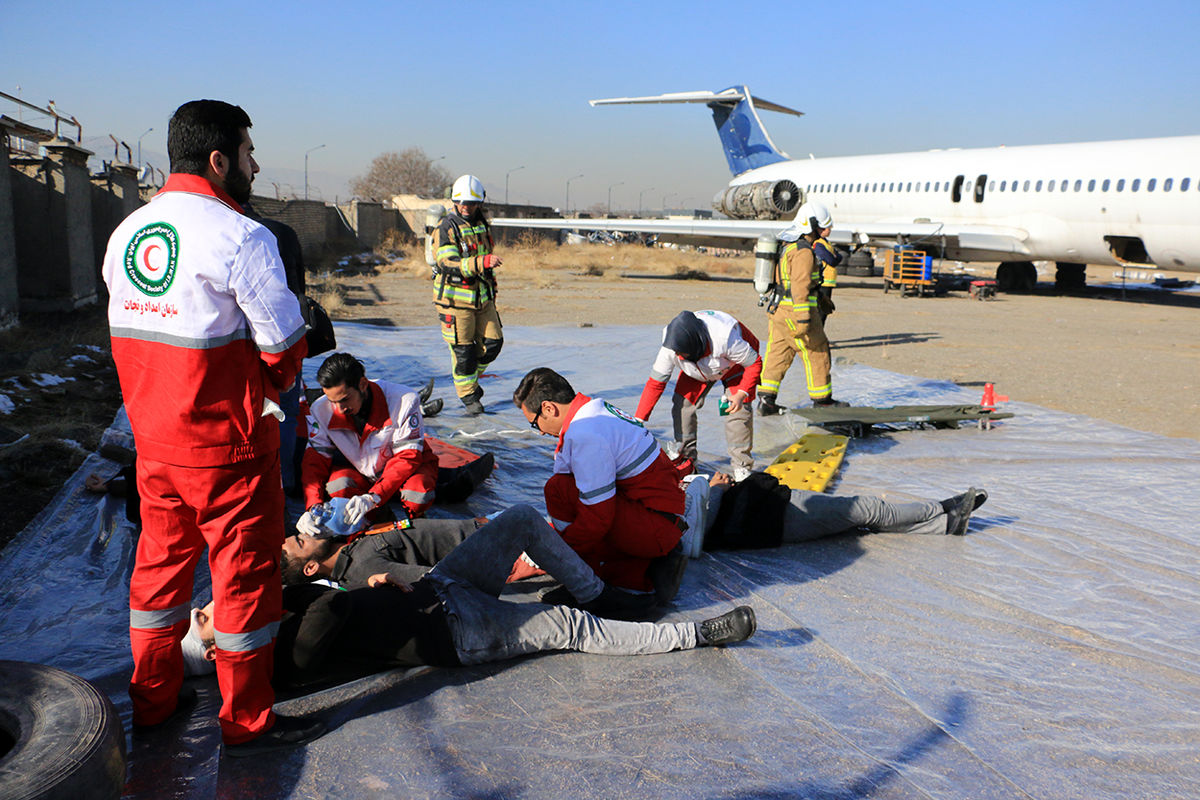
608 452
203 326
390 449
734 355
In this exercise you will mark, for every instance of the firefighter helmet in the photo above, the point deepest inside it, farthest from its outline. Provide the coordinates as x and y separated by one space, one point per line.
467 189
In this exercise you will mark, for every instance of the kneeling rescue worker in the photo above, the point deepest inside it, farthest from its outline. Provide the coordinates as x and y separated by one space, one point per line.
464 290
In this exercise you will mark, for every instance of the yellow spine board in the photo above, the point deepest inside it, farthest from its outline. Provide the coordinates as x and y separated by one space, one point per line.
811 462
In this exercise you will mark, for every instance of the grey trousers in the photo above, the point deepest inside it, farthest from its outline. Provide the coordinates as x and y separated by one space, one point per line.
486 628
739 429
811 515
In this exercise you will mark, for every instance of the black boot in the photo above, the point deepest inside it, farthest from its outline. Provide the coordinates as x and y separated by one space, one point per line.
288 732
431 408
735 626
472 404
425 391
767 406
958 510
829 402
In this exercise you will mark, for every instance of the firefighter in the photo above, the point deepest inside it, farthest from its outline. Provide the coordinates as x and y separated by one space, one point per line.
464 290
794 326
829 259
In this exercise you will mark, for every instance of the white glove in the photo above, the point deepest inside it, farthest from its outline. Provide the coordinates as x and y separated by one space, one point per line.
358 507
310 521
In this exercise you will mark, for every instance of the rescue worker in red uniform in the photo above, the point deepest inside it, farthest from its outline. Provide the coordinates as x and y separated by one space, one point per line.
794 326
366 441
464 290
614 495
205 336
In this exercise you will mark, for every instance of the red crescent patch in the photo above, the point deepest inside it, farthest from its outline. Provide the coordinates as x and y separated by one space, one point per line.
146 257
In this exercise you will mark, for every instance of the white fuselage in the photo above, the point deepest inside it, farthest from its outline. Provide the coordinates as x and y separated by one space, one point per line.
1066 198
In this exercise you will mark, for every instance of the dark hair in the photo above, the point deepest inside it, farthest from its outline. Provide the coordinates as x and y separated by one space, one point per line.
540 385
340 369
201 126
291 570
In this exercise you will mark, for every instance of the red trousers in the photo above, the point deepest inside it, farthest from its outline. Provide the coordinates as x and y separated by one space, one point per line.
237 512
415 494
637 534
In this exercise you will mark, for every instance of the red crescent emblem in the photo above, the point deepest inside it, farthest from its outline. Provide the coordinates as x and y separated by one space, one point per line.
146 258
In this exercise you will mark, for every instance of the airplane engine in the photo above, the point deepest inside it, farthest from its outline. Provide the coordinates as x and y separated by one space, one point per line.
763 200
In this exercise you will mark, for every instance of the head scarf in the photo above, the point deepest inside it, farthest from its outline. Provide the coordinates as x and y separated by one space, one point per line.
687 336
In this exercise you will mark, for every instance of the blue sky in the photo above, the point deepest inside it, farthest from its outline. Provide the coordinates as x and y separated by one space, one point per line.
496 86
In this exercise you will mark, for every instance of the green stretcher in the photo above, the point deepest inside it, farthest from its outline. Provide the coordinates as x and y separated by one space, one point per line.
857 420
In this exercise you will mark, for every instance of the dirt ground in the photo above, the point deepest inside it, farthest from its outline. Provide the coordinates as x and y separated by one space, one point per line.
1133 361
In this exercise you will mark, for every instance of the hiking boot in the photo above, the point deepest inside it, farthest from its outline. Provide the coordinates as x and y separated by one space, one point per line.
185 704
666 573
829 402
559 596
767 406
617 603
425 391
288 732
958 510
432 408
735 626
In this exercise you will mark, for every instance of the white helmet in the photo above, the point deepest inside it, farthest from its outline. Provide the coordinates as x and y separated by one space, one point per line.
467 189
809 215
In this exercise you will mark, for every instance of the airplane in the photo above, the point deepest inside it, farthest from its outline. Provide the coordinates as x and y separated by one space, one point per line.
1133 202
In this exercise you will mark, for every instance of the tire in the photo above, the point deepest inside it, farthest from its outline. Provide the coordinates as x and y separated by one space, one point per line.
63 737
1016 276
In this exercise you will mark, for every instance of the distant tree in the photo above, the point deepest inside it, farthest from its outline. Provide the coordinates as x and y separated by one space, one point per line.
407 172
598 210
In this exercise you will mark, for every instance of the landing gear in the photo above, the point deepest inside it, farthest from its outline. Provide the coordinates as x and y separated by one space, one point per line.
1016 276
1070 277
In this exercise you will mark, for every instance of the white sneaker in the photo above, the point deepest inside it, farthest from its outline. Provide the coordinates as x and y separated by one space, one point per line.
695 514
740 474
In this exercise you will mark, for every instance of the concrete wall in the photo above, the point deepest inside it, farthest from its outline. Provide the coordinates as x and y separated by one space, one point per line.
9 296
115 196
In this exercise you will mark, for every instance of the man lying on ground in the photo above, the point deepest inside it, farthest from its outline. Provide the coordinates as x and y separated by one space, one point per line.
761 512
453 616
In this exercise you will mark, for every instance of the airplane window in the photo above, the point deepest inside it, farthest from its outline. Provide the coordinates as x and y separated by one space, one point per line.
1037 187
1150 184
1026 189
1092 185
1104 186
1050 186
927 186
1121 185
1183 184
909 189
992 186
1002 184
1078 185
891 187
1167 184
1137 183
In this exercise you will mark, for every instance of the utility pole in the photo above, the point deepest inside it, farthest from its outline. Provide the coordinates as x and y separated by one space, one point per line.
318 147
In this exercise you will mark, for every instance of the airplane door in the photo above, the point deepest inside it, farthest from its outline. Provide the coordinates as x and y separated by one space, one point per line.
956 189
979 186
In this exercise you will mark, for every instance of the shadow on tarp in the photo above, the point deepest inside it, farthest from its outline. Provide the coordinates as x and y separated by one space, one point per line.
1052 652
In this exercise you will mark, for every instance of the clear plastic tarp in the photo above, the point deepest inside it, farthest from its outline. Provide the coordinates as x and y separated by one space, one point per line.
1053 652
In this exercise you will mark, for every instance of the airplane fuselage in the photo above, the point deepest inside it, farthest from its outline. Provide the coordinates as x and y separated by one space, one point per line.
1091 202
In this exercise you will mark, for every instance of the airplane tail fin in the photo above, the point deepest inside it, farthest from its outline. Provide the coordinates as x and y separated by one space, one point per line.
746 142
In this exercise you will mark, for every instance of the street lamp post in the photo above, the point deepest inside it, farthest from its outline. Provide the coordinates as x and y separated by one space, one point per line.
642 192
610 188
665 196
567 204
510 172
306 152
140 147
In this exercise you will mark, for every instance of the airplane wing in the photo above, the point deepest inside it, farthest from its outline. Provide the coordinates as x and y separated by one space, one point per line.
982 242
